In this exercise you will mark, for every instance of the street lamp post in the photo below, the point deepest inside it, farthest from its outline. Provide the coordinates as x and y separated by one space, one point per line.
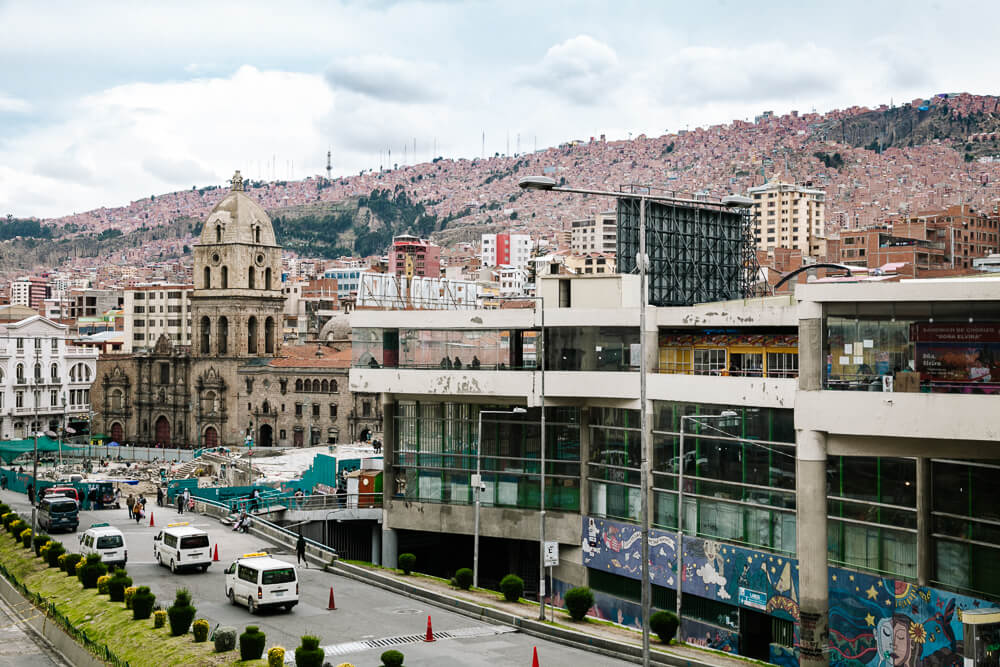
477 486
62 427
34 465
540 352
698 419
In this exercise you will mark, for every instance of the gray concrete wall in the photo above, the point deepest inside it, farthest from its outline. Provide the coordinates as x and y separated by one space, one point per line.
507 523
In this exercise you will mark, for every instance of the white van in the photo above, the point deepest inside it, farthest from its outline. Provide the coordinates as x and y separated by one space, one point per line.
181 546
106 540
257 580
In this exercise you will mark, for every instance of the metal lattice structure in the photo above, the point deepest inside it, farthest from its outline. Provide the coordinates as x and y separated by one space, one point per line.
697 253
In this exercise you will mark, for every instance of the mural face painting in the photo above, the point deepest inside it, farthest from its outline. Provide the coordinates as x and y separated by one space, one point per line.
874 621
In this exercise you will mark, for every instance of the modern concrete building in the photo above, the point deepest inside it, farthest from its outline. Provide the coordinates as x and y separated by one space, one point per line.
157 310
29 291
44 383
597 234
838 466
506 249
411 256
787 215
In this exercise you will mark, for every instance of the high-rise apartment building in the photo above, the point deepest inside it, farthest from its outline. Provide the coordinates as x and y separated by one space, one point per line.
787 215
155 310
414 256
597 234
506 249
29 291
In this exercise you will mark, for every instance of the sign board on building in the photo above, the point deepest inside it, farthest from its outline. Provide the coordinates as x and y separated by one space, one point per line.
753 599
551 554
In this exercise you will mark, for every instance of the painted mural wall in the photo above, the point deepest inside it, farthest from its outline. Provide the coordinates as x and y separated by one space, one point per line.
874 621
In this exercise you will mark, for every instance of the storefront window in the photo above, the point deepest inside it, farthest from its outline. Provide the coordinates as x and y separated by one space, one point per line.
592 348
374 348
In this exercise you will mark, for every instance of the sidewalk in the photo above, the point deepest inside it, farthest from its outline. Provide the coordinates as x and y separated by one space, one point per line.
596 635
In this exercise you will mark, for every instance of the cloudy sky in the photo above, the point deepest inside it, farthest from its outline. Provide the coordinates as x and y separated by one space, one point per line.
103 103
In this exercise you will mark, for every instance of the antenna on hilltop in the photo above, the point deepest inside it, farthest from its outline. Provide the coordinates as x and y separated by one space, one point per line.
329 164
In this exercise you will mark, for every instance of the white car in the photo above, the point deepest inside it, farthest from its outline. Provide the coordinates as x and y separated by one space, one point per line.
106 540
258 581
181 546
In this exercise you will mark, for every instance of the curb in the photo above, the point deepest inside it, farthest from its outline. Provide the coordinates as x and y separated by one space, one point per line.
566 637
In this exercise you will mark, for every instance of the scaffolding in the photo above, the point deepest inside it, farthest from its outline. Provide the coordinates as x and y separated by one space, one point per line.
698 253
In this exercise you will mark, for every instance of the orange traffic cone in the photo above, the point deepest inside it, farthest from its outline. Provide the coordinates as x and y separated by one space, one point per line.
215 558
534 658
151 524
430 630
333 605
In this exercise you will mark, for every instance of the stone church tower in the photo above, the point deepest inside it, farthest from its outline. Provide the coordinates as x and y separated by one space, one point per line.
236 306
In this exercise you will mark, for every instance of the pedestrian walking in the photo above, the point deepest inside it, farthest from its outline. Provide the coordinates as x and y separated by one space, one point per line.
31 494
129 502
300 550
159 496
187 499
180 503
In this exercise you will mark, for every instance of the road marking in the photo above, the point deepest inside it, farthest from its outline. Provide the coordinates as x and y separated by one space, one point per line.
460 633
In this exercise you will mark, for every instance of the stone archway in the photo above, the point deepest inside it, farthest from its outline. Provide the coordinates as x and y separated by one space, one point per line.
162 430
266 436
117 432
210 438
365 434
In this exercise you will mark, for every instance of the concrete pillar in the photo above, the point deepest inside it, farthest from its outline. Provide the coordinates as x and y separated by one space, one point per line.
390 547
584 457
812 356
810 486
923 520
376 544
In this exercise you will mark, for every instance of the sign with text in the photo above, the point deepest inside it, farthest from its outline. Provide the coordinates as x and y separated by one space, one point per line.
551 556
753 599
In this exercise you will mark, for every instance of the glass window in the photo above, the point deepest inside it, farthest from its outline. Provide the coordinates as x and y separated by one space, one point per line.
592 348
709 362
283 576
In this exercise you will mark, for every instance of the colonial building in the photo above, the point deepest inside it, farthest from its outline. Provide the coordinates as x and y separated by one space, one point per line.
235 381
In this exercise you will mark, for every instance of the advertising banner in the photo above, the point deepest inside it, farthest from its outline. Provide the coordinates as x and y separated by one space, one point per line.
955 352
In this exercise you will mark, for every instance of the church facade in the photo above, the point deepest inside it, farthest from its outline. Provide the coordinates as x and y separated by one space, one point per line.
237 380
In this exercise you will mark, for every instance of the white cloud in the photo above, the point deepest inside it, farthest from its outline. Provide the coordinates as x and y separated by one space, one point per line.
386 78
582 69
13 105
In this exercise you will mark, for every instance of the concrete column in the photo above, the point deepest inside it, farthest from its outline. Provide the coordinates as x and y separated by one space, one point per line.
390 547
812 357
810 486
376 544
584 457
923 520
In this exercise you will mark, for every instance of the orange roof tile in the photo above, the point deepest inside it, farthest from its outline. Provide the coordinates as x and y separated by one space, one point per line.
305 356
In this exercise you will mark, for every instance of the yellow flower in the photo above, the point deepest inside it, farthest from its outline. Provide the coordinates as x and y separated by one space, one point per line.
918 634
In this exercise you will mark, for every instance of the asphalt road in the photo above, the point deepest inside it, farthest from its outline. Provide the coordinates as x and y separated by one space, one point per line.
365 623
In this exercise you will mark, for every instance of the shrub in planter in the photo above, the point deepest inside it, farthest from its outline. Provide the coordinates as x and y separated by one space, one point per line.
38 541
44 550
225 639
8 518
579 600
276 657
309 654
117 584
102 584
159 618
664 625
512 587
199 629
463 578
252 643
52 556
406 562
15 527
25 538
129 595
181 613
142 603
392 659
68 563
4 508
91 570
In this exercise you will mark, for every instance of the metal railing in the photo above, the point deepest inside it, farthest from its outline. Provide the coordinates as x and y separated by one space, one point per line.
681 368
330 501
267 529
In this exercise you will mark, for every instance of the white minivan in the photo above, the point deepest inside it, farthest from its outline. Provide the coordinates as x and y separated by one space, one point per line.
106 540
257 580
182 547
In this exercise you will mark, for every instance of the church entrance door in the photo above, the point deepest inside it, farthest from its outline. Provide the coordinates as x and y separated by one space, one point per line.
266 435
211 438
297 438
163 431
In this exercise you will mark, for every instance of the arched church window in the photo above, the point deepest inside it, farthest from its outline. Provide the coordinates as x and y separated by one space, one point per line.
326 386
251 278
252 335
207 283
206 335
218 233
223 335
333 386
267 278
225 277
256 234
54 372
298 385
269 335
